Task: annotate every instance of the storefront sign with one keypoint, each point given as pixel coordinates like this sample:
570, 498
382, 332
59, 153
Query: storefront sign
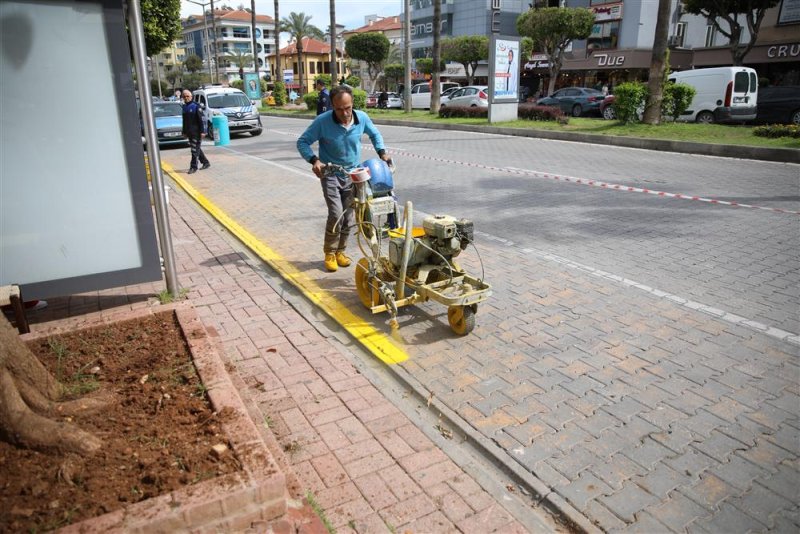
424, 27
604, 60
784, 50
607, 12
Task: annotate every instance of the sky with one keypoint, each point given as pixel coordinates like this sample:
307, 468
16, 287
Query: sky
349, 13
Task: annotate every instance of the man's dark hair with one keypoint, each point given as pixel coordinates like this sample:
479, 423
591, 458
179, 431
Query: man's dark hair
339, 89
320, 81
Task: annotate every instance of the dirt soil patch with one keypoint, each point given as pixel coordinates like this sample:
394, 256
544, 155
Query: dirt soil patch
157, 434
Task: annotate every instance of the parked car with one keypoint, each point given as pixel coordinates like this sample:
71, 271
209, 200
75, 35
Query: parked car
242, 115
723, 94
421, 94
372, 100
445, 96
575, 101
779, 104
169, 123
607, 108
469, 96
395, 101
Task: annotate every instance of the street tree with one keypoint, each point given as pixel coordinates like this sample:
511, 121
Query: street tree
299, 27
658, 65
278, 74
193, 63
173, 75
394, 72
727, 15
32, 406
468, 50
436, 89
552, 29
372, 48
161, 24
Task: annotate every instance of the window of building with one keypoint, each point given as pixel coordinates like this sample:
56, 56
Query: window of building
241, 32
711, 35
312, 68
604, 35
223, 32
680, 33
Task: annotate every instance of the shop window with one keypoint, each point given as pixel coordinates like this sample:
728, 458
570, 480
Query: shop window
711, 35
604, 35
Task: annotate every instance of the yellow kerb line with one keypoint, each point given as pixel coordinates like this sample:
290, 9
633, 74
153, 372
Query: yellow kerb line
374, 340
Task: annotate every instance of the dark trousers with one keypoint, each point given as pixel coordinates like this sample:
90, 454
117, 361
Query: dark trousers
197, 152
338, 227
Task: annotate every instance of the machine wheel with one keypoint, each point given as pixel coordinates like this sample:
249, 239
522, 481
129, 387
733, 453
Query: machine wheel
367, 292
461, 319
577, 110
705, 117
609, 114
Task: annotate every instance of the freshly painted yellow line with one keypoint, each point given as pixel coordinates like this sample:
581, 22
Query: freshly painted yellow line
374, 340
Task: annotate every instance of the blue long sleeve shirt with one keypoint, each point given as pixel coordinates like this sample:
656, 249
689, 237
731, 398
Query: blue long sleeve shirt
338, 144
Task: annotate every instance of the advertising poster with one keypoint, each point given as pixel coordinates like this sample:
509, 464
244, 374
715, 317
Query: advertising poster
252, 87
506, 69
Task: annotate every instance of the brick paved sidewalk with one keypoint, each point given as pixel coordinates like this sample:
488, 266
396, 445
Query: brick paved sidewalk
365, 463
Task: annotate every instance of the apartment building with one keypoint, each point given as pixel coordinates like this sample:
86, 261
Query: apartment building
233, 34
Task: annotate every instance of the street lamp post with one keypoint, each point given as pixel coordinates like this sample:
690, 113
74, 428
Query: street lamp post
205, 30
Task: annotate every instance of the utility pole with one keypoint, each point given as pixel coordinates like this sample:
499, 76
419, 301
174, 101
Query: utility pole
407, 55
255, 43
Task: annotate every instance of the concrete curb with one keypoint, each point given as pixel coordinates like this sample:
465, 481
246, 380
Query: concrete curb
780, 155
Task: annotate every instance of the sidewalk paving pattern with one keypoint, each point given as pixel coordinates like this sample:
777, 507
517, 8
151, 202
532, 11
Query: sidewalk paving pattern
366, 464
637, 413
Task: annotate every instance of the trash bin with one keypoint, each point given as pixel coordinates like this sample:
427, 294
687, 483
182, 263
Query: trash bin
222, 135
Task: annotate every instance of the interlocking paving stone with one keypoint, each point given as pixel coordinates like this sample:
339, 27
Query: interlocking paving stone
628, 502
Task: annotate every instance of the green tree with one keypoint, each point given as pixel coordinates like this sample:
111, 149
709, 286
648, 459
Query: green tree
173, 75
298, 26
526, 48
193, 63
727, 16
468, 50
371, 48
241, 58
395, 54
394, 72
161, 24
552, 29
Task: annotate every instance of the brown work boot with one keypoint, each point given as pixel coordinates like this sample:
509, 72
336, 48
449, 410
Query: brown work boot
330, 261
342, 260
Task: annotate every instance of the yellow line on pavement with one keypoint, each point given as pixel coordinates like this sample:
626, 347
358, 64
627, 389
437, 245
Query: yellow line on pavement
374, 340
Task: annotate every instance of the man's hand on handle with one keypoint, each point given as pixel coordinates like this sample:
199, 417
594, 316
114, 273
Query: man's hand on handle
317, 167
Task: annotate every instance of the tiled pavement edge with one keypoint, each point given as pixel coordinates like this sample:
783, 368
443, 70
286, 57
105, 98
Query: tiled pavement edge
366, 464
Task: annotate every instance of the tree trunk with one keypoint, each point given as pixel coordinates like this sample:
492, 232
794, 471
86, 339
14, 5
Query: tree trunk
300, 64
437, 55
278, 74
25, 385
333, 43
655, 84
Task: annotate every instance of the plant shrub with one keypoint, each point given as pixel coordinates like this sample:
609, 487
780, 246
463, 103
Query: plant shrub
359, 98
325, 78
629, 98
279, 93
534, 112
463, 111
677, 99
311, 100
353, 81
237, 84
777, 130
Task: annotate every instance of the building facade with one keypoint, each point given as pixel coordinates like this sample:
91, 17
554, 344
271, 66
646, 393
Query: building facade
316, 60
392, 29
233, 36
168, 61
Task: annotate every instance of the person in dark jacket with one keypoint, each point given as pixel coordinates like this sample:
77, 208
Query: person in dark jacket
323, 99
194, 128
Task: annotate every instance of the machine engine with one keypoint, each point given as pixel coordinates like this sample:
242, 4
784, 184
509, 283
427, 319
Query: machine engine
444, 236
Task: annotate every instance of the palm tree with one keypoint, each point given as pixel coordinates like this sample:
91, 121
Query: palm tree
395, 55
278, 71
240, 58
298, 27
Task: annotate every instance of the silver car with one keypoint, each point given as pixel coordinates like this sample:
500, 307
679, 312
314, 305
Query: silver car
469, 96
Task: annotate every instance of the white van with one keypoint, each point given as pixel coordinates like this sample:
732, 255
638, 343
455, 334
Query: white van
421, 94
242, 115
724, 94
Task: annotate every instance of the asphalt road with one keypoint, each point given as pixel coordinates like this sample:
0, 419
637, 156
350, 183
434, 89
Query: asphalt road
639, 355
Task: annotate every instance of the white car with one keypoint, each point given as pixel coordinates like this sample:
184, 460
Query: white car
469, 96
242, 115
395, 101
421, 94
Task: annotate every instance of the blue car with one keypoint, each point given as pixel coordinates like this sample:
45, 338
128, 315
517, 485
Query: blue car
575, 101
169, 122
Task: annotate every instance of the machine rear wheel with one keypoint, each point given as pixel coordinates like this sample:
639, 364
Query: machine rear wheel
461, 319
365, 285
